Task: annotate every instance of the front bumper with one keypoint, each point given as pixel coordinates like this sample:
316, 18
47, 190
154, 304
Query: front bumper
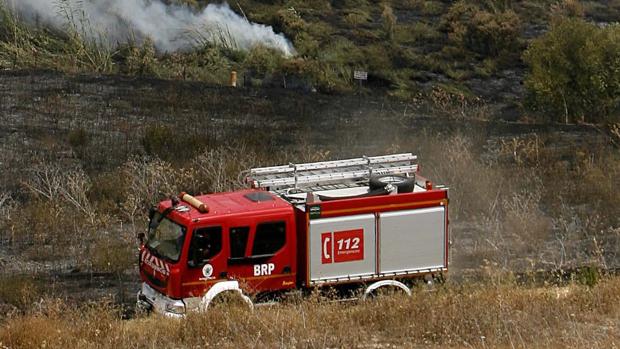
152, 300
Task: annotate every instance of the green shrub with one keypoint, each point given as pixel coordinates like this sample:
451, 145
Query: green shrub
78, 138
482, 32
263, 61
112, 255
319, 30
289, 21
575, 71
377, 57
357, 17
207, 63
108, 191
588, 275
139, 59
171, 145
157, 139
419, 33
306, 45
20, 291
487, 68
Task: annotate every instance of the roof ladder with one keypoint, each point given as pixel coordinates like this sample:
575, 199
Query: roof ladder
315, 174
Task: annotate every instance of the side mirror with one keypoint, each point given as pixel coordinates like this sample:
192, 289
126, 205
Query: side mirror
141, 238
152, 212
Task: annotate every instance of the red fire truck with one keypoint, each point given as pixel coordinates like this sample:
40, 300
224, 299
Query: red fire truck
370, 221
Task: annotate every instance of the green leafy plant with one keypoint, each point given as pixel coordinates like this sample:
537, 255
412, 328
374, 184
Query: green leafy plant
575, 72
483, 32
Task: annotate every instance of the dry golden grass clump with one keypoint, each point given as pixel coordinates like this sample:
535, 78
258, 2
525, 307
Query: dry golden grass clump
473, 315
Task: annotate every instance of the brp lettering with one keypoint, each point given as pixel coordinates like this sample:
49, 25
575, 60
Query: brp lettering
263, 269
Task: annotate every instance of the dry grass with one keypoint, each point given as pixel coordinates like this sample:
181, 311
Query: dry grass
514, 199
525, 203
476, 315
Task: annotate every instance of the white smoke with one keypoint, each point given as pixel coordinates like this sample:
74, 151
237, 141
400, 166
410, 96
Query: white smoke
170, 27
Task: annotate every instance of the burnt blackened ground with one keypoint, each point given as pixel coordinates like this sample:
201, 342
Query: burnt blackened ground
98, 123
39, 111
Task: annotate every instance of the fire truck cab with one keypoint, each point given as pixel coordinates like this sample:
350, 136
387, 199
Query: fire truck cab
371, 220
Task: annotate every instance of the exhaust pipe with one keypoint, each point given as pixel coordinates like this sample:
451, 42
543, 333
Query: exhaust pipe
197, 204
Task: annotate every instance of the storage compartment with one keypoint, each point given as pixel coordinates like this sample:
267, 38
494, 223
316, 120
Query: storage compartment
342, 247
412, 240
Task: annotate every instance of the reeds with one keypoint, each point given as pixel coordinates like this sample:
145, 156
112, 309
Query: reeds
78, 48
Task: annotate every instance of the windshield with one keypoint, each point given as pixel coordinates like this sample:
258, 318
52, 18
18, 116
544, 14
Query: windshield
165, 237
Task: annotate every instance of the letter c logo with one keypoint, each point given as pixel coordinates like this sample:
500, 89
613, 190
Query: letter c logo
326, 242
325, 248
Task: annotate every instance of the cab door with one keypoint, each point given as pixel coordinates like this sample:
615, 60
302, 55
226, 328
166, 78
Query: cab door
262, 253
206, 259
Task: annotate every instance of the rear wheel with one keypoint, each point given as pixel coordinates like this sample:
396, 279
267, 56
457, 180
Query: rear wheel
385, 287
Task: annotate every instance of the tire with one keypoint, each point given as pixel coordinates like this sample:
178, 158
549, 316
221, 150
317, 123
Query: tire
402, 183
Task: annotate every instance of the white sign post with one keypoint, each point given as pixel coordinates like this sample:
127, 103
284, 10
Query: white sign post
360, 76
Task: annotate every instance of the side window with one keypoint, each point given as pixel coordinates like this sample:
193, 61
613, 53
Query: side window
206, 244
269, 238
238, 241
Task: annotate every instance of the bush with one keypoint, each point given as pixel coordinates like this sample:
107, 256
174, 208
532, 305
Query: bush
170, 144
112, 255
139, 59
483, 32
79, 139
289, 21
357, 17
263, 61
306, 45
19, 290
575, 71
420, 33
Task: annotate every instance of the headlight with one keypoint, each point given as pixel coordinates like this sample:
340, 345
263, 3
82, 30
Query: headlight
175, 307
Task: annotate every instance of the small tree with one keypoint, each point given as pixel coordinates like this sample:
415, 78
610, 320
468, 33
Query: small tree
575, 71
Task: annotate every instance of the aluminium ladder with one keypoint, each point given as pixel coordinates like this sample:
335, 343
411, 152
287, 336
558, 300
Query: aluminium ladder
319, 174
